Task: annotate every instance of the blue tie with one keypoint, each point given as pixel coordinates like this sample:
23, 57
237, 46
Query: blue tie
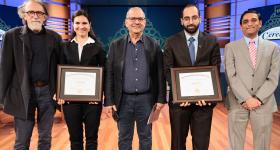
192, 49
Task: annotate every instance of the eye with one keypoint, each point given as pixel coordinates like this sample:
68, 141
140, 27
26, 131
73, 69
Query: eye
244, 21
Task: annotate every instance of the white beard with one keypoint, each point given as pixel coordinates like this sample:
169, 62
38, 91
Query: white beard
35, 26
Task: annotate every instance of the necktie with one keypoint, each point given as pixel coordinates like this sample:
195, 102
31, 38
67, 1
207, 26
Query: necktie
192, 49
253, 53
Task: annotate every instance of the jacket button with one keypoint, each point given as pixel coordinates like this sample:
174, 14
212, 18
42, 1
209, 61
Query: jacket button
252, 89
253, 75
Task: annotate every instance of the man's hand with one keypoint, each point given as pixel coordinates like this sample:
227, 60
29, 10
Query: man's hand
108, 110
252, 103
59, 101
94, 103
185, 104
159, 106
202, 103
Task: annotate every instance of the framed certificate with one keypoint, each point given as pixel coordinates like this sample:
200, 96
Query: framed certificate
76, 83
190, 84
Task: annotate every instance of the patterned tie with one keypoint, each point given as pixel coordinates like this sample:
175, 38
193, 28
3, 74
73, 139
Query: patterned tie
192, 49
253, 52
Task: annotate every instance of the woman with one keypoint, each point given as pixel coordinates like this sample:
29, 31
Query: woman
83, 50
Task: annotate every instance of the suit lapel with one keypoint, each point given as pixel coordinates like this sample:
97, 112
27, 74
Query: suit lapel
199, 47
50, 44
74, 52
147, 48
245, 50
260, 52
122, 51
183, 48
26, 47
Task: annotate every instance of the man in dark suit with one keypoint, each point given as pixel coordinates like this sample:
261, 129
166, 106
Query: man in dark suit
134, 81
190, 47
29, 57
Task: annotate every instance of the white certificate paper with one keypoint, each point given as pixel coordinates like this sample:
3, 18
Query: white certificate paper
80, 83
196, 84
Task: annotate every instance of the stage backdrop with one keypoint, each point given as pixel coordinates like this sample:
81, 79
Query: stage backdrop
108, 22
8, 19
271, 22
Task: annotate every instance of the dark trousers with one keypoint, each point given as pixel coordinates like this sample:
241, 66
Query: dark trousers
78, 115
135, 108
42, 100
197, 118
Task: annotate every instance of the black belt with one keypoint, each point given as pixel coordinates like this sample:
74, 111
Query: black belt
39, 84
136, 93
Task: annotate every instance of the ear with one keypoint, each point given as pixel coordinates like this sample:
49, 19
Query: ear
124, 24
182, 22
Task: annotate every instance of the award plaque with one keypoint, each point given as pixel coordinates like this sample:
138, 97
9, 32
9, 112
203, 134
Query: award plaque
191, 84
77, 83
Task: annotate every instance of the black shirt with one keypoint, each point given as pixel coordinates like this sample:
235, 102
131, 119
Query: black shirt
39, 64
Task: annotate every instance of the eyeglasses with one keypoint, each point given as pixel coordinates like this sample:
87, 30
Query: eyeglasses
133, 19
38, 13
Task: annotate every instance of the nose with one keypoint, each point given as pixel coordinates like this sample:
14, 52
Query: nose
191, 21
36, 16
137, 21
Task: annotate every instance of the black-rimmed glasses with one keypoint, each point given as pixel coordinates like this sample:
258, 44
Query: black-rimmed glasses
134, 19
38, 13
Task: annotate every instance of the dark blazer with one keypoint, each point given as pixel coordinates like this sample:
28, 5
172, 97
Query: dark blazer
115, 65
92, 55
16, 57
176, 53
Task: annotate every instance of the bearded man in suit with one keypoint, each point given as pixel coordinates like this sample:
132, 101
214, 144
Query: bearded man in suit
190, 47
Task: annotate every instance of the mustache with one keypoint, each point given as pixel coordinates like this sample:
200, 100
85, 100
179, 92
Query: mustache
191, 25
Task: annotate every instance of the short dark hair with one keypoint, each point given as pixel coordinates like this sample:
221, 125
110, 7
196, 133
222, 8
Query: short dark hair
85, 14
187, 6
250, 11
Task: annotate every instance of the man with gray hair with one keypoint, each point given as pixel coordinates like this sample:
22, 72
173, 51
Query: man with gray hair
134, 81
29, 56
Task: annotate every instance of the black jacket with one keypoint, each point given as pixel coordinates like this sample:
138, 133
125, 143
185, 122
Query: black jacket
115, 66
16, 57
92, 55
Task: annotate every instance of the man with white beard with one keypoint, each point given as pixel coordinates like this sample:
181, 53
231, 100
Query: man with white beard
28, 59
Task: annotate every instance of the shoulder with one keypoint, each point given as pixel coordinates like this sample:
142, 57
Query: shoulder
175, 37
119, 40
150, 40
268, 43
15, 30
53, 34
234, 43
208, 36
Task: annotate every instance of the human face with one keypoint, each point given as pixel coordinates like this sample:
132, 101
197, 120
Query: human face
190, 20
34, 15
250, 25
135, 21
81, 26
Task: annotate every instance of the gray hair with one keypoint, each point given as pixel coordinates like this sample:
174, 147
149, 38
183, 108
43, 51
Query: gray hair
21, 8
130, 9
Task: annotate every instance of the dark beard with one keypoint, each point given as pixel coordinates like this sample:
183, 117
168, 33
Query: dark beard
191, 30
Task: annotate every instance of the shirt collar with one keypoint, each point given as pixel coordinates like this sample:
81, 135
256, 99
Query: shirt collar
247, 40
88, 41
195, 35
140, 40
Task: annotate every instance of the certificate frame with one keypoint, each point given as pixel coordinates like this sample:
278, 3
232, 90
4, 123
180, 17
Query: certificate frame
61, 74
176, 88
